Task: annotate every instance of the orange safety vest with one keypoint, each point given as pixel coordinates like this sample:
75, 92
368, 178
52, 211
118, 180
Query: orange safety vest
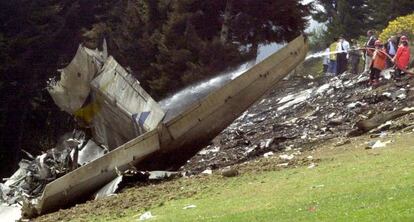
379, 59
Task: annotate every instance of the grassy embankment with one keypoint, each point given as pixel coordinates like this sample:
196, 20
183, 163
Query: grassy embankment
349, 184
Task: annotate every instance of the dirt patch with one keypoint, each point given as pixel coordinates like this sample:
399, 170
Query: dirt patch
137, 198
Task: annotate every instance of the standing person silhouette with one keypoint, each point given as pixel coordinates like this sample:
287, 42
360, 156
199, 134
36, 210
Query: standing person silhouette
332, 69
342, 58
401, 58
369, 51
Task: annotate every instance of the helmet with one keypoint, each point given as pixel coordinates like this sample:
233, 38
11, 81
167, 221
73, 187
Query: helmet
378, 43
404, 38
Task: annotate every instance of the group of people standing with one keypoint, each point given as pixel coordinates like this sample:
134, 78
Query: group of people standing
395, 53
336, 59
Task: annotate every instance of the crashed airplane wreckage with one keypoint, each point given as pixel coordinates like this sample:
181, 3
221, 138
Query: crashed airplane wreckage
128, 123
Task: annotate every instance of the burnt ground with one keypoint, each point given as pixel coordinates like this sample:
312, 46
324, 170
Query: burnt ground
299, 115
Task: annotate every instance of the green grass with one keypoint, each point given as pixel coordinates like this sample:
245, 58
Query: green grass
349, 184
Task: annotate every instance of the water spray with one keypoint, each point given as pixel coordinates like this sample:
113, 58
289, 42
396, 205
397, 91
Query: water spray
189, 95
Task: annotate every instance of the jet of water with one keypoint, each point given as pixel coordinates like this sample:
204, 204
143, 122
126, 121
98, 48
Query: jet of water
323, 53
189, 95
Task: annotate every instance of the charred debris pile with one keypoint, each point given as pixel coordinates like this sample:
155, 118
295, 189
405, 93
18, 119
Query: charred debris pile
125, 130
303, 111
111, 108
120, 117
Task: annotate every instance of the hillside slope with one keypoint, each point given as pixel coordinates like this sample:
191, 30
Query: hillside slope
302, 125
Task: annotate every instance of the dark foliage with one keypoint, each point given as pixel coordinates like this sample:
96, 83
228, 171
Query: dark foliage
167, 44
353, 18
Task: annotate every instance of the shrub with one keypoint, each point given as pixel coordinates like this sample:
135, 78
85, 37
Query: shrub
403, 25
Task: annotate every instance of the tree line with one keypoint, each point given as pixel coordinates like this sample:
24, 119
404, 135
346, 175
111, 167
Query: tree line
353, 18
166, 44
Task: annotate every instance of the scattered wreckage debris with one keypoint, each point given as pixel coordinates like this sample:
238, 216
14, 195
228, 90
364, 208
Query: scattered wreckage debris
10, 213
290, 119
191, 206
313, 111
132, 176
342, 142
124, 120
377, 144
26, 185
146, 216
104, 98
380, 119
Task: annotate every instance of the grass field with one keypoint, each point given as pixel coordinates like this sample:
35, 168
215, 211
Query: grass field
349, 183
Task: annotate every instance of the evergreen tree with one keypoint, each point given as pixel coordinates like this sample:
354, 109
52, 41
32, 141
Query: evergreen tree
352, 18
343, 17
268, 21
167, 44
381, 12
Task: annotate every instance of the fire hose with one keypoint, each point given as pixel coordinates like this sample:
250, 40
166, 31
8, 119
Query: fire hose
386, 54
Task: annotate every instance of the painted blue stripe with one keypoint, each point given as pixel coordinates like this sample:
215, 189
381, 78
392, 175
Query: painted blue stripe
143, 117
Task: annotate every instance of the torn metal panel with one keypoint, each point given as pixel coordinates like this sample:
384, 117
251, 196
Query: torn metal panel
85, 180
18, 175
160, 175
90, 152
73, 88
28, 182
125, 109
10, 213
146, 216
109, 189
131, 175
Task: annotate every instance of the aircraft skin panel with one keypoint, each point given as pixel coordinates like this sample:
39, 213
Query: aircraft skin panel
248, 84
180, 138
92, 176
197, 126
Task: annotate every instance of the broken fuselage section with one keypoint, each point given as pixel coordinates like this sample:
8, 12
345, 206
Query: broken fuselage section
124, 118
103, 96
